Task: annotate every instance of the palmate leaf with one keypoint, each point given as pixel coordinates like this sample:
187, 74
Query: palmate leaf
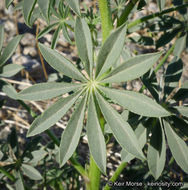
177, 146
45, 8
9, 50
66, 34
133, 68
52, 114
179, 46
84, 44
161, 4
1, 37
180, 125
95, 136
71, 135
182, 110
10, 70
31, 172
8, 3
44, 91
122, 131
47, 29
156, 155
135, 102
111, 50
55, 37
28, 7
140, 133
60, 63
19, 182
74, 5
8, 89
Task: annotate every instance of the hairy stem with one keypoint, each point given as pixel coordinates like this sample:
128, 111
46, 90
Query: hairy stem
154, 15
115, 175
128, 8
106, 19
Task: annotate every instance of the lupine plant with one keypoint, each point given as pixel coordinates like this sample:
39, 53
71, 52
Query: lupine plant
147, 124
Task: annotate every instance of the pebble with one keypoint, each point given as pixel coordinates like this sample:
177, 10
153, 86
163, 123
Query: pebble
4, 133
28, 40
30, 51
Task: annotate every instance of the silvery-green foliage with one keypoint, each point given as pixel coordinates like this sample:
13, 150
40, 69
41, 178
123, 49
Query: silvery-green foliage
8, 70
91, 94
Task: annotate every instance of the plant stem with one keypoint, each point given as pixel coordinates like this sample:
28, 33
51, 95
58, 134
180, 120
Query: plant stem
10, 176
94, 176
128, 8
107, 26
56, 141
116, 175
106, 19
154, 15
165, 58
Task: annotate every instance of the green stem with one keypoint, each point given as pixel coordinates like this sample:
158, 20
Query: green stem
11, 177
107, 26
56, 141
128, 8
158, 14
165, 58
106, 19
94, 176
115, 175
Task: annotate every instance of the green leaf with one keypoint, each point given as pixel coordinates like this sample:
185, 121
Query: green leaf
28, 7
140, 133
66, 34
19, 183
44, 91
52, 115
45, 8
1, 37
31, 172
9, 90
156, 155
74, 5
161, 4
55, 37
180, 125
111, 50
46, 30
122, 131
167, 37
71, 135
135, 102
9, 50
133, 68
177, 146
182, 110
37, 156
179, 46
95, 136
84, 44
8, 3
60, 63
10, 70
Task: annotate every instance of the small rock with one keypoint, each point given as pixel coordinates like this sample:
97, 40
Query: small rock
19, 59
48, 37
30, 51
4, 133
9, 27
28, 40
